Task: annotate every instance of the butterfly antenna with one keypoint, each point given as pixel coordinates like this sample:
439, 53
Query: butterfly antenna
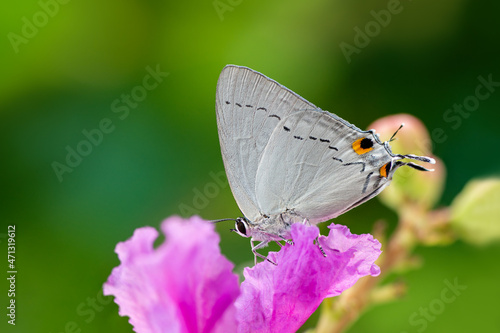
394, 135
412, 165
221, 220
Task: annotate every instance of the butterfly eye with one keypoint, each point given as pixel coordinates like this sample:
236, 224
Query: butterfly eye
241, 227
385, 169
362, 146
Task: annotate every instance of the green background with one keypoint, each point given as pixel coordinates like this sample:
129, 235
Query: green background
63, 79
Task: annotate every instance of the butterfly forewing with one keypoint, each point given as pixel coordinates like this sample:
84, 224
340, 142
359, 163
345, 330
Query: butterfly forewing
249, 107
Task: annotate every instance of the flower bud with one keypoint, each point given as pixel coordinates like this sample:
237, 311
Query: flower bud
475, 212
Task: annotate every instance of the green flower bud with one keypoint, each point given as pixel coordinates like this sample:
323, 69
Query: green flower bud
475, 212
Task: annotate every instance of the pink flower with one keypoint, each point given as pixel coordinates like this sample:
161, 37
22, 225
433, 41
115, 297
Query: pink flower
186, 285
281, 298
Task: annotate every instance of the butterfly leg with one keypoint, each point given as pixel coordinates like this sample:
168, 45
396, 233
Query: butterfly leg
320, 247
306, 222
257, 254
288, 241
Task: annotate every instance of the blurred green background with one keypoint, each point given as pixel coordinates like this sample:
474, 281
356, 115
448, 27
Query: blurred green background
67, 67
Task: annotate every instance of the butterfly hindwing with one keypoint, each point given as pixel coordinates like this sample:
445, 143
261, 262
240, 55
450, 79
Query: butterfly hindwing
310, 166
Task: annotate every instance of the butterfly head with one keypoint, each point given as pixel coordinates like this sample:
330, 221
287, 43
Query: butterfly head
241, 227
267, 228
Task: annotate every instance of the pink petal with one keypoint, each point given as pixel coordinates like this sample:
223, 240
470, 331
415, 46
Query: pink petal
281, 298
185, 285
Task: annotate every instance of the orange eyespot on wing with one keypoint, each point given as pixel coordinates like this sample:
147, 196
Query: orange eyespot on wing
362, 146
384, 170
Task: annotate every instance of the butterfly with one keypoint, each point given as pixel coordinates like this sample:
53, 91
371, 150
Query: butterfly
287, 161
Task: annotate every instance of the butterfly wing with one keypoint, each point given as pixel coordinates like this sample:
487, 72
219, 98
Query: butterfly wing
311, 167
249, 107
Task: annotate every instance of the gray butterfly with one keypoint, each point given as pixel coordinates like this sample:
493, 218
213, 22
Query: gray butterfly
288, 161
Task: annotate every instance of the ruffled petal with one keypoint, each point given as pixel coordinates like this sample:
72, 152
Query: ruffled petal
185, 285
281, 298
